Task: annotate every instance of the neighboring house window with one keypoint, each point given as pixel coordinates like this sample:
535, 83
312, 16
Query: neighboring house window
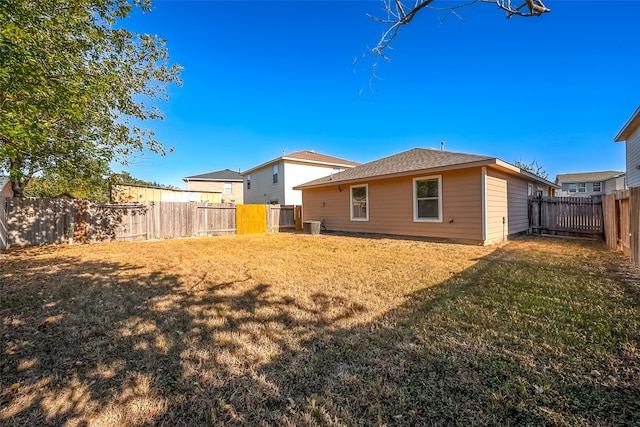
573, 188
248, 182
427, 199
275, 174
227, 188
597, 187
359, 202
582, 187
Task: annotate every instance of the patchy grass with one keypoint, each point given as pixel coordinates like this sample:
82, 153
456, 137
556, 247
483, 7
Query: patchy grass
319, 330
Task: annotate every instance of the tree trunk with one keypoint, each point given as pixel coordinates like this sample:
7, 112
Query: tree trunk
17, 188
17, 184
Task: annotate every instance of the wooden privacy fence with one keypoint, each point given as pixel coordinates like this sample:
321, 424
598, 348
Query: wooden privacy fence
281, 218
25, 222
259, 219
622, 222
566, 216
251, 219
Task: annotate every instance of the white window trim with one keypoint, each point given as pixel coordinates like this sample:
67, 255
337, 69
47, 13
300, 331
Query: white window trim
415, 199
593, 186
572, 187
530, 190
366, 186
582, 187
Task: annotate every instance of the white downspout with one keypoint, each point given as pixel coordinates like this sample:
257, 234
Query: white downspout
484, 204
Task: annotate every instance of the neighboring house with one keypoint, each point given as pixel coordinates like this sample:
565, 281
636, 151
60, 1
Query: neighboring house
126, 193
426, 193
273, 181
5, 187
630, 133
587, 184
226, 182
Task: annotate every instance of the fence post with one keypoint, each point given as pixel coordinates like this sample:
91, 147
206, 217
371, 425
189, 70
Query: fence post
3, 222
193, 215
634, 224
298, 217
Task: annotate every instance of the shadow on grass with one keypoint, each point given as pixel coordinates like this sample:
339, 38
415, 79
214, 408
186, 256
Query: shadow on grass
509, 342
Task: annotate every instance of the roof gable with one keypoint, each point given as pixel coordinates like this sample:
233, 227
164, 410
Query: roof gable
310, 157
317, 157
629, 128
221, 175
415, 159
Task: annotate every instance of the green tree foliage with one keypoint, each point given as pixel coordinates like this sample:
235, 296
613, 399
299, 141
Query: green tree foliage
83, 185
125, 177
75, 88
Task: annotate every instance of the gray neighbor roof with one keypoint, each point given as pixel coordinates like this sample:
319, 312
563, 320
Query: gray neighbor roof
416, 159
587, 176
222, 175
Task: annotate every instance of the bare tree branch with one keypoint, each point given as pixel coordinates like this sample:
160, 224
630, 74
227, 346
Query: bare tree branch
399, 14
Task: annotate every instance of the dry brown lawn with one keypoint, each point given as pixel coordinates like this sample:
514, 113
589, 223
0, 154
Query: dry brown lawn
327, 330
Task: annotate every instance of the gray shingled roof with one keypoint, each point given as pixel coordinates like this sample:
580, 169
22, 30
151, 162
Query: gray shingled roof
412, 160
222, 175
586, 176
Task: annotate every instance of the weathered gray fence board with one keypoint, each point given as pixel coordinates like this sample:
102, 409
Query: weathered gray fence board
580, 216
216, 219
281, 218
36, 221
634, 225
622, 218
115, 222
25, 221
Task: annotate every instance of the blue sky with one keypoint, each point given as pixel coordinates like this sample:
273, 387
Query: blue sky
263, 77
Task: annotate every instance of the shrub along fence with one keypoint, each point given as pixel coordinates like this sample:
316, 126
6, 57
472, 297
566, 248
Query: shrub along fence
27, 221
622, 222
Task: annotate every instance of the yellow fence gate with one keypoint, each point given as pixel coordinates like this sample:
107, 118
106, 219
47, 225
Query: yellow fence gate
251, 219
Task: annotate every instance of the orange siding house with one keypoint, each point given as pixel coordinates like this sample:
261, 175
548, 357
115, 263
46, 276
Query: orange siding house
426, 193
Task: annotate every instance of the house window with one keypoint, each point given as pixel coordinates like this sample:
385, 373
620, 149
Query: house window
227, 188
249, 182
275, 174
582, 187
597, 187
573, 188
359, 202
529, 189
427, 199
